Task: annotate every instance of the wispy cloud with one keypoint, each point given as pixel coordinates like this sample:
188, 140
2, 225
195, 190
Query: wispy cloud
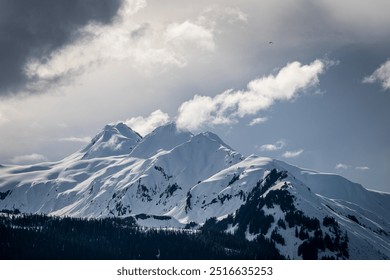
362, 168
273, 147
380, 75
342, 166
145, 125
292, 154
258, 121
260, 94
28, 159
76, 139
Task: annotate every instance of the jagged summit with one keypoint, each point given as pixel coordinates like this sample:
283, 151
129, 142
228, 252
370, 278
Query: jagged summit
114, 139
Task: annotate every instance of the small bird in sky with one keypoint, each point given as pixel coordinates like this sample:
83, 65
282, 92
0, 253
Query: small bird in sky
270, 42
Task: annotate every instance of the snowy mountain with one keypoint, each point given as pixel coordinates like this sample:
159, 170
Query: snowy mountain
113, 140
173, 178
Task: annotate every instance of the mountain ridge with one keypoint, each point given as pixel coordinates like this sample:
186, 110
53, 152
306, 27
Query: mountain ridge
199, 181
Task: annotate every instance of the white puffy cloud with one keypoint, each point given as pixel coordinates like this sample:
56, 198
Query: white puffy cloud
261, 93
292, 154
380, 75
273, 147
28, 159
145, 125
189, 32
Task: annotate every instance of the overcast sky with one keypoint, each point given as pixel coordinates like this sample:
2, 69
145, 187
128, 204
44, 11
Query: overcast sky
307, 82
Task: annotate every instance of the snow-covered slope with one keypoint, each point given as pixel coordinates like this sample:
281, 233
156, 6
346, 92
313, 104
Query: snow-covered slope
176, 179
163, 138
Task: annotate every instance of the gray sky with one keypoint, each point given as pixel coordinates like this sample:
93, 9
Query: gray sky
316, 97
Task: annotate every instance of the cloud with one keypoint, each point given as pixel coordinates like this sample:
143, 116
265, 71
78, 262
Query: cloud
362, 168
260, 94
215, 13
76, 139
3, 119
380, 75
188, 32
258, 121
273, 147
37, 28
292, 154
342, 166
96, 42
28, 159
367, 17
140, 31
144, 46
146, 125
62, 125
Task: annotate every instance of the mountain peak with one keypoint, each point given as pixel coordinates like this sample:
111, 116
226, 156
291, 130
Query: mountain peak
112, 140
172, 178
168, 128
216, 138
164, 137
121, 129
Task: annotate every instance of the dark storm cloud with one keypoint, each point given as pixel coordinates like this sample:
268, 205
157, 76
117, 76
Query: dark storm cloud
35, 28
